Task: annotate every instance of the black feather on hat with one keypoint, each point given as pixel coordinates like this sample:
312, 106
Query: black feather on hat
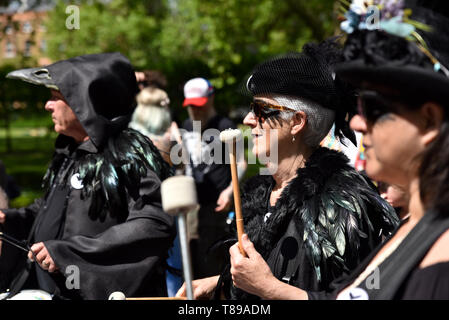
310, 75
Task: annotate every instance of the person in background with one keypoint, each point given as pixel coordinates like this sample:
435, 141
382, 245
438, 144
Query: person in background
314, 217
152, 118
213, 180
151, 78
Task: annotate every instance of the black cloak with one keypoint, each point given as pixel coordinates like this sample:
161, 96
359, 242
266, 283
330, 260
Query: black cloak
110, 225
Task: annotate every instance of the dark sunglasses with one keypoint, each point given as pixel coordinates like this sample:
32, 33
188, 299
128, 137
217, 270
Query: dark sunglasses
371, 105
263, 110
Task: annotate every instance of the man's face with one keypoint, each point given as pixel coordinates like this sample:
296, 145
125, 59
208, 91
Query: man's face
64, 118
199, 113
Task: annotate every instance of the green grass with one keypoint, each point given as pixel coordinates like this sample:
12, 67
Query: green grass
32, 149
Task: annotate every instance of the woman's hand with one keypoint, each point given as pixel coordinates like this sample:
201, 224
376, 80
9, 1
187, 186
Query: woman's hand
251, 274
202, 288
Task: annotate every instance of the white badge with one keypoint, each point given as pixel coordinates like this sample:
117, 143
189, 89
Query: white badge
353, 294
76, 182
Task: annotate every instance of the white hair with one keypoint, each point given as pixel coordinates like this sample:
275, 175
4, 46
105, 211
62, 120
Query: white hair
319, 119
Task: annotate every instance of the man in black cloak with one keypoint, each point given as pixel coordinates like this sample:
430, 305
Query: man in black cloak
101, 217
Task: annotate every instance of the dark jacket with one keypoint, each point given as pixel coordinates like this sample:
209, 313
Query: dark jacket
101, 214
327, 219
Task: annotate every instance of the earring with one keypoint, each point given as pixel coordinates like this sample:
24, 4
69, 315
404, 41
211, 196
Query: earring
293, 139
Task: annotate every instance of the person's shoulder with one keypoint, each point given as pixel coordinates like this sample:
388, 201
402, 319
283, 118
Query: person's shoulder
439, 252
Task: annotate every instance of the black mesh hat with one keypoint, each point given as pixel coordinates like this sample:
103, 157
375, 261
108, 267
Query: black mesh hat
415, 66
310, 75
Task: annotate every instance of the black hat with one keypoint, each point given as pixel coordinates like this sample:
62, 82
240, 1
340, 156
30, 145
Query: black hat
310, 75
407, 53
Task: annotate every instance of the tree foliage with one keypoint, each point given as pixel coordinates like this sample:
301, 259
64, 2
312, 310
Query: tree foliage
218, 39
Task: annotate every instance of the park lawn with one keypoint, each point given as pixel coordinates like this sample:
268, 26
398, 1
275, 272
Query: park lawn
32, 149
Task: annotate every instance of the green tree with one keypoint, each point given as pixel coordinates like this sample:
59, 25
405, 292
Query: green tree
218, 39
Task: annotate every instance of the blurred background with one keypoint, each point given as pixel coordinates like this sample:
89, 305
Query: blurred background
217, 39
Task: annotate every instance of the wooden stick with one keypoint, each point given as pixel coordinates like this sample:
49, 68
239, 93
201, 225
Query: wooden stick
236, 191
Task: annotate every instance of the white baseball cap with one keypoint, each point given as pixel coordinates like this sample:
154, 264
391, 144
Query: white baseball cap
197, 91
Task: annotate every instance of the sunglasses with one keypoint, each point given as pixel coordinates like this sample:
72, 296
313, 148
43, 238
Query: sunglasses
263, 110
371, 105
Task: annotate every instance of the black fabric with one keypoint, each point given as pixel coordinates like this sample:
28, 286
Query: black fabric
213, 178
430, 283
326, 172
125, 253
100, 89
13, 260
400, 276
406, 258
113, 252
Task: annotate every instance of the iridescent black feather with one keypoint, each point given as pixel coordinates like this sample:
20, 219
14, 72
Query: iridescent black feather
113, 173
336, 208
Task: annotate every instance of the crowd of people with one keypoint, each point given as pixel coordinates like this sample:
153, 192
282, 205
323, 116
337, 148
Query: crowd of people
316, 227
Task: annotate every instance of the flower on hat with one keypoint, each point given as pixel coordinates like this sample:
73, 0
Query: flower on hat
390, 16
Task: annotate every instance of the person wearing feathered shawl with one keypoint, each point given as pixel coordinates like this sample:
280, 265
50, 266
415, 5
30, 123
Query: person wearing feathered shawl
315, 217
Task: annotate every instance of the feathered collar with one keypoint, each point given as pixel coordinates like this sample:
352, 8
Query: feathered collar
110, 173
308, 182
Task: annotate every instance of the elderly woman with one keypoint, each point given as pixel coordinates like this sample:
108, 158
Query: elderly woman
315, 217
403, 114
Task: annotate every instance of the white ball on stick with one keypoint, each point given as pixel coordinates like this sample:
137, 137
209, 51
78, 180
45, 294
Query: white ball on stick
178, 194
117, 295
230, 135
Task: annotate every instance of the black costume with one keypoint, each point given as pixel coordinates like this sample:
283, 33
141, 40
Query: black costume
408, 70
327, 219
102, 208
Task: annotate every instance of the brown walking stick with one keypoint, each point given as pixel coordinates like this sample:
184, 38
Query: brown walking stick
230, 137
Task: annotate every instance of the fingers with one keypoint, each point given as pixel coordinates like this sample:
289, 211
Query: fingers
35, 248
43, 257
52, 266
234, 251
248, 247
220, 207
182, 291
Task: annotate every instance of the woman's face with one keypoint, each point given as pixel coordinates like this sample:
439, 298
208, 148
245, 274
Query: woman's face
392, 143
270, 138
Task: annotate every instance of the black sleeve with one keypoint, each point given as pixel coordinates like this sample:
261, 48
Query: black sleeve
18, 222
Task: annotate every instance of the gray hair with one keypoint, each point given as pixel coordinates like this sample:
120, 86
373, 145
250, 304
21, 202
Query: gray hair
319, 119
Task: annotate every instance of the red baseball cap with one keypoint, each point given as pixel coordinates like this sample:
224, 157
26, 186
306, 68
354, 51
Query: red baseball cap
197, 91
